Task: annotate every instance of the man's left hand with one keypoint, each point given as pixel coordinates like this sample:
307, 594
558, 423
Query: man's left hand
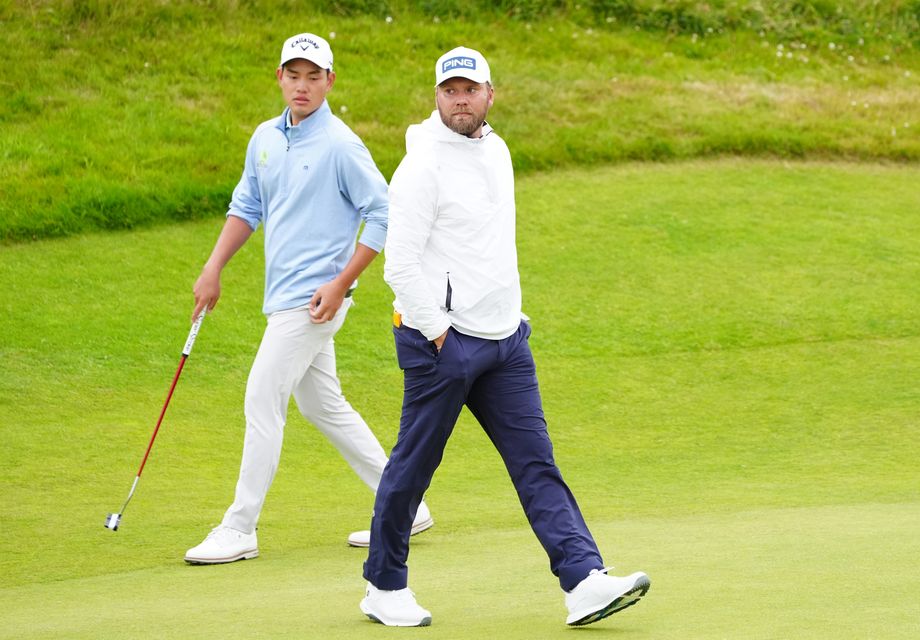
326, 302
439, 341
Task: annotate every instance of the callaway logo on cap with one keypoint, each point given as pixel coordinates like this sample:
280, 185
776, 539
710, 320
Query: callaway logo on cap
462, 63
307, 46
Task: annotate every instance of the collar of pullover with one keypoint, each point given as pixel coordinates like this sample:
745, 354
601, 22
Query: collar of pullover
305, 126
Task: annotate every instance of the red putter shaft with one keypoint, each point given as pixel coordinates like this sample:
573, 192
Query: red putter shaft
172, 388
186, 350
114, 518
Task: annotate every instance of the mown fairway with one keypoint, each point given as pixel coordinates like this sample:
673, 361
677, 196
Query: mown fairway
727, 353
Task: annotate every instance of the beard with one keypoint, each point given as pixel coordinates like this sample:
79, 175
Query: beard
466, 123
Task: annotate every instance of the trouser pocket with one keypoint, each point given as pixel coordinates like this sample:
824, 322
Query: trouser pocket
413, 349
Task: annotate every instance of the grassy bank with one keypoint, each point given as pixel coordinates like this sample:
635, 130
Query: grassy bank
140, 112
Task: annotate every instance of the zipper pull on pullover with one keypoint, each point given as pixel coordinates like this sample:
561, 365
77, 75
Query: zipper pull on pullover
450, 291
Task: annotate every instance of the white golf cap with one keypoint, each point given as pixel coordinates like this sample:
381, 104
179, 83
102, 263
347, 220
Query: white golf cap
462, 63
308, 47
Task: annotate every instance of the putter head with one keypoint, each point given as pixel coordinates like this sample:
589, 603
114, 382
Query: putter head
112, 520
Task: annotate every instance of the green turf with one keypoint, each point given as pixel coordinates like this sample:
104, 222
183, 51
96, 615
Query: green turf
726, 355
820, 572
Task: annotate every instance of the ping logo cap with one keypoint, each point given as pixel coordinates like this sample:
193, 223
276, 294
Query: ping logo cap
462, 63
308, 47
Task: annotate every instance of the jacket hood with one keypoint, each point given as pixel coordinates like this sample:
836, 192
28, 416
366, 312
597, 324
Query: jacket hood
432, 130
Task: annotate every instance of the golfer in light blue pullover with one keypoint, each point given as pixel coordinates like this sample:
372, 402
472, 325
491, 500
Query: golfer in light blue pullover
309, 181
310, 185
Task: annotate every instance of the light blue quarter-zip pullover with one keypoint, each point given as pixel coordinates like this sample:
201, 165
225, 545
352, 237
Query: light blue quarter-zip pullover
310, 186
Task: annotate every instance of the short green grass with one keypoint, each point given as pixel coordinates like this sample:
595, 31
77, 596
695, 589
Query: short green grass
725, 351
759, 574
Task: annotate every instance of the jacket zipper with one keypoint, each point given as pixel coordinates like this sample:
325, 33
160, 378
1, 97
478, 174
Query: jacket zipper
449, 294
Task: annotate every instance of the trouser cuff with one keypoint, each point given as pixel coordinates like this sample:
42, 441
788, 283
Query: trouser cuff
571, 575
387, 580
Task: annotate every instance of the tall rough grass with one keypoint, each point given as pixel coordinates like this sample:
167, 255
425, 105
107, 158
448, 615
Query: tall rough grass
136, 112
897, 19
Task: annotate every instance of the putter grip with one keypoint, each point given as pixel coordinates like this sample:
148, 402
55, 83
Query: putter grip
187, 349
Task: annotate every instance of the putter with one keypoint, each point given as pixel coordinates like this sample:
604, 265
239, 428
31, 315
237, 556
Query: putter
114, 519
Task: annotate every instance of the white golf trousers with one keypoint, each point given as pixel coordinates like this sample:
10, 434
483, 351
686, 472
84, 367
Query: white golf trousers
297, 357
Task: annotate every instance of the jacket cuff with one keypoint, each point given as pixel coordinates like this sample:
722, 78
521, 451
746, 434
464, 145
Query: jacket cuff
436, 331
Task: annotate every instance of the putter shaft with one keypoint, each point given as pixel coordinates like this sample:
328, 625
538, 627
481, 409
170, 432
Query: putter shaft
186, 350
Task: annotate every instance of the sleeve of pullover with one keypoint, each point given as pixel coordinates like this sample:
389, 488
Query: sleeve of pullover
365, 187
413, 210
246, 202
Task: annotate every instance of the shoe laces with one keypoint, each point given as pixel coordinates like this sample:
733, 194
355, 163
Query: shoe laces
406, 594
221, 531
591, 573
401, 596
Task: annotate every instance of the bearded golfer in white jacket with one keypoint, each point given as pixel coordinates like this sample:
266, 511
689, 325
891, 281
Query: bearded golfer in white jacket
461, 339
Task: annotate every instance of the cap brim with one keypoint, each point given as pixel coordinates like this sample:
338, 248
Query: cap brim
463, 73
318, 63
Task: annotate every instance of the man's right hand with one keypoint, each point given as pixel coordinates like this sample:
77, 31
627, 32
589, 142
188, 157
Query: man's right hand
439, 341
206, 290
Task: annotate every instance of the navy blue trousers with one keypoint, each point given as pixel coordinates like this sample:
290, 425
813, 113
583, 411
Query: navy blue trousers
497, 381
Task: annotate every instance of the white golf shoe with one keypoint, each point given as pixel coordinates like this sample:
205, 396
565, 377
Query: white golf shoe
394, 608
222, 545
423, 521
600, 595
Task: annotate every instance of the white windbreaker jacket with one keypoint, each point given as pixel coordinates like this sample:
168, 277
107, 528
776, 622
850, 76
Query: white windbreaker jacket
450, 251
